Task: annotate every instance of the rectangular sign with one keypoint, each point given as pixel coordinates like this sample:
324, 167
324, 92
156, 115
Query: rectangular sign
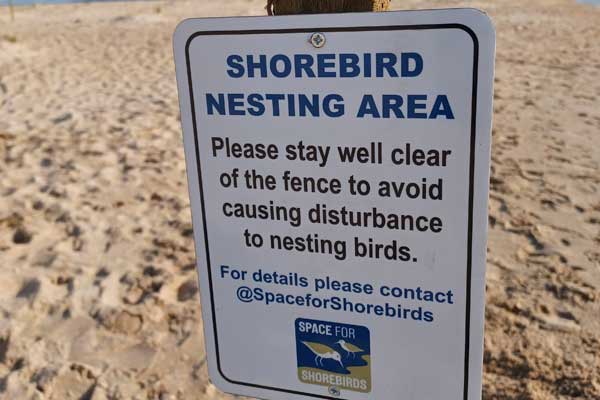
338, 173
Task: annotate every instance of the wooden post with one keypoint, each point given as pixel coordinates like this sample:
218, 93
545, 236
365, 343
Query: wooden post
286, 7
11, 10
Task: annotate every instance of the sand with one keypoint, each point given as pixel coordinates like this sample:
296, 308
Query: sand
98, 295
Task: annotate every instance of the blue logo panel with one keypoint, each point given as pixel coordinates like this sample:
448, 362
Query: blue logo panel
334, 355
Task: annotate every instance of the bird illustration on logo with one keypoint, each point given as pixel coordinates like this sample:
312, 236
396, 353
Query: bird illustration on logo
322, 352
349, 348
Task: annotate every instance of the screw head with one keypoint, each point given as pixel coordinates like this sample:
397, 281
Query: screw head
334, 391
317, 39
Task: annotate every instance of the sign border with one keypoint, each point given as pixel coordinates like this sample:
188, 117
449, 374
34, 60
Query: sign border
474, 90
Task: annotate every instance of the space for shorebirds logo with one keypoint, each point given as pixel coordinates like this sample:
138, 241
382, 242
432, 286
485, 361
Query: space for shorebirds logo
334, 355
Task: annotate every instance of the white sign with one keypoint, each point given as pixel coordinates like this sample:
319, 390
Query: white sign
338, 172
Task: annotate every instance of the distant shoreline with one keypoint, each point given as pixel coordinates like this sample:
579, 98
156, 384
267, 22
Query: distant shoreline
16, 3
5, 3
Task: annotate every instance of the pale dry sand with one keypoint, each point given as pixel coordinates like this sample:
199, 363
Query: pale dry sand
98, 296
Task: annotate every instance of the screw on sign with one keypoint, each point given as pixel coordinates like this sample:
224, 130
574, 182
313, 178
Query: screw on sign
317, 39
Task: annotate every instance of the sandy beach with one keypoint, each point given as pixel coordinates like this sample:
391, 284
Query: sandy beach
98, 291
